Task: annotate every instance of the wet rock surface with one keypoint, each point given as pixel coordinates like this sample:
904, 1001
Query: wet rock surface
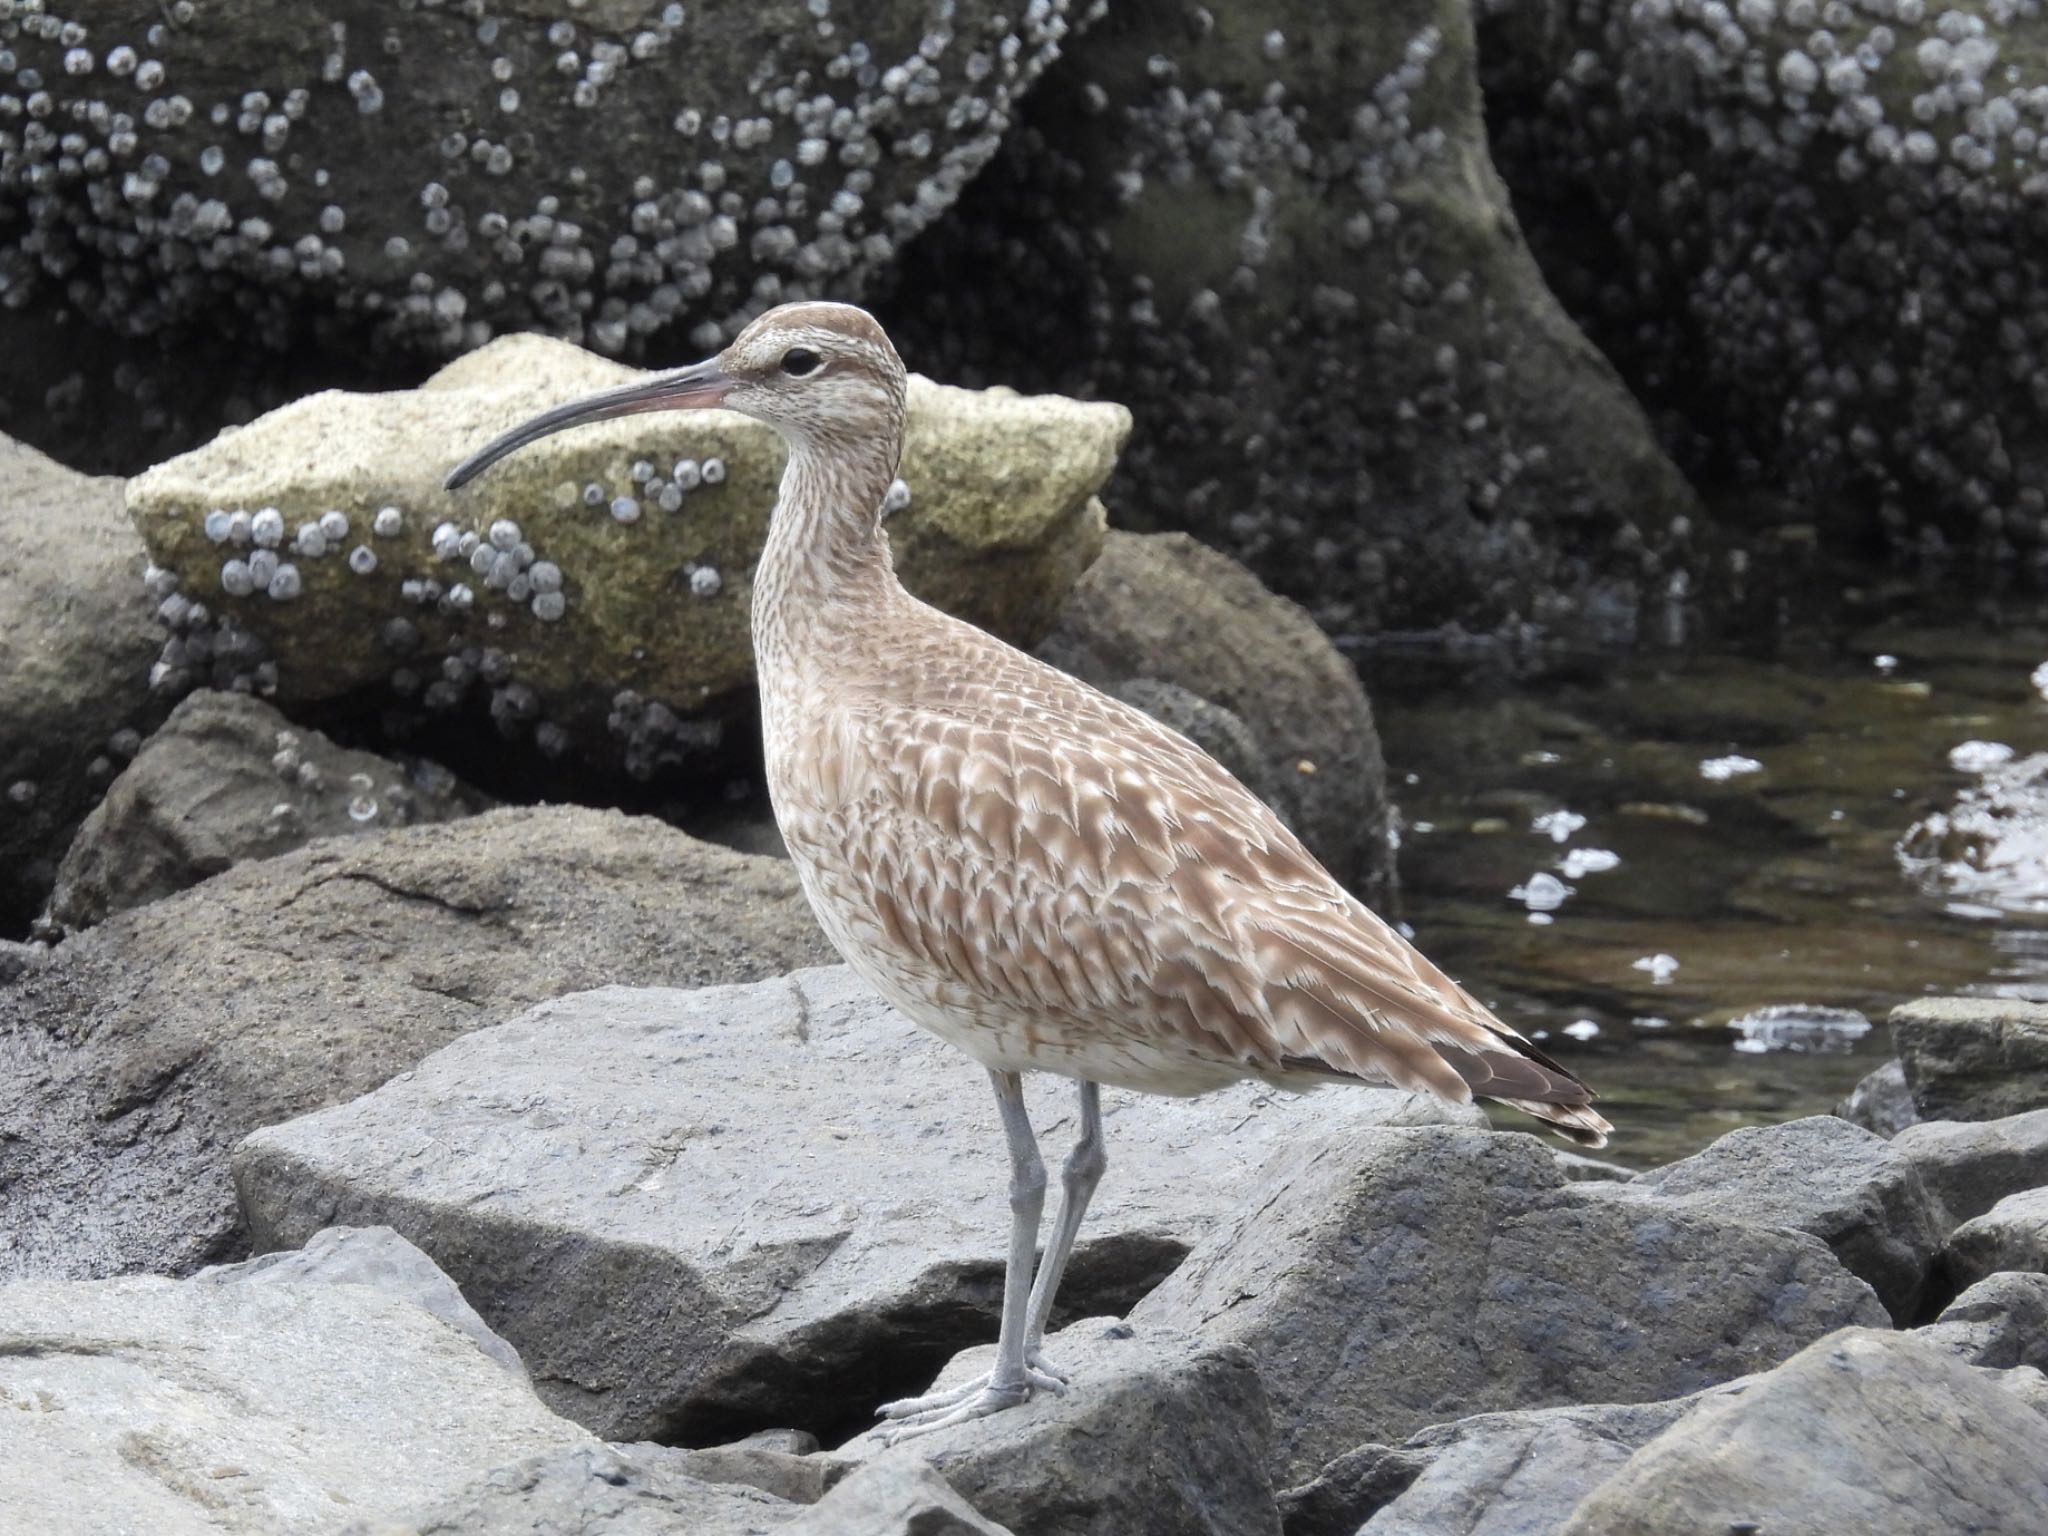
1162, 1433
227, 779
78, 630
138, 1053
1160, 619
1388, 1281
1862, 1431
591, 595
1275, 233
367, 187
226, 1405
1973, 1058
1854, 1191
700, 1213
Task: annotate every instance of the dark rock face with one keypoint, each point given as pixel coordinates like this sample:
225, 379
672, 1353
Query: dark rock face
227, 779
1845, 1186
134, 1059
1972, 1058
1809, 236
857, 1154
1191, 637
1162, 1434
1389, 1281
78, 632
1863, 1431
1275, 234
1881, 1102
354, 185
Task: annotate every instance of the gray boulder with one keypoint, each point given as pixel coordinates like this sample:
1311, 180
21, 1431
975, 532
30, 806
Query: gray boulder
699, 1213
590, 1489
2000, 1322
2013, 1234
1870, 1432
783, 1462
1973, 1058
1159, 1434
187, 1407
1881, 1101
1495, 1474
373, 1256
1969, 1166
1389, 1281
134, 1059
1851, 1189
395, 186
895, 1498
1279, 238
78, 631
225, 779
590, 596
1188, 634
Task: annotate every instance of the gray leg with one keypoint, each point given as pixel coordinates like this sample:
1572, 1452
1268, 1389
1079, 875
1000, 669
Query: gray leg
1082, 1173
1011, 1381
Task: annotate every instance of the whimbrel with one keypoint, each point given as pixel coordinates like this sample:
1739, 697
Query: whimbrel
1045, 877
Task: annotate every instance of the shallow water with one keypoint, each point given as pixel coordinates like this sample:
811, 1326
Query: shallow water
1743, 818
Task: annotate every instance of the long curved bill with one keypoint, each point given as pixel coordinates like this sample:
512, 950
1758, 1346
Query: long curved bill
685, 389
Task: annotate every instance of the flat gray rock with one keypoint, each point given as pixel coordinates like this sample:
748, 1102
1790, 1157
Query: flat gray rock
1973, 1058
894, 1498
1846, 1186
1390, 1280
1869, 1432
1159, 1434
1971, 1165
695, 1213
591, 1490
181, 1407
227, 779
2013, 1234
138, 1054
1514, 1474
372, 1256
2001, 1322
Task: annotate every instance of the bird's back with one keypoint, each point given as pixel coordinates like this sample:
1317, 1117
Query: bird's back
1056, 881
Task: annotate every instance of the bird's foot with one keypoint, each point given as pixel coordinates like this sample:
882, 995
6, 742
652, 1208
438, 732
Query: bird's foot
977, 1399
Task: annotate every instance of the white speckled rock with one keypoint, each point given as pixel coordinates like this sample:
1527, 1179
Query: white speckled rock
1002, 522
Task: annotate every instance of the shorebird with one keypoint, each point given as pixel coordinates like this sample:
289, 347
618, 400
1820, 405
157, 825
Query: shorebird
1046, 878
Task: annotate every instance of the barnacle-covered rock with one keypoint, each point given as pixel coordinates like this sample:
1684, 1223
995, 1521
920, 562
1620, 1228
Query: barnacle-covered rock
594, 588
1811, 236
226, 779
1274, 232
77, 631
384, 182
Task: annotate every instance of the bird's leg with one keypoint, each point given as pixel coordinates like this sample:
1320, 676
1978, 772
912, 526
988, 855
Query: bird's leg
1083, 1171
1011, 1381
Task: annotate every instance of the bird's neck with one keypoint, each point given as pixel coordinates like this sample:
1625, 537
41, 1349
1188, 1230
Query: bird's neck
826, 563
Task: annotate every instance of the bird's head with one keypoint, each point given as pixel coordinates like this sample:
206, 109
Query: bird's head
816, 372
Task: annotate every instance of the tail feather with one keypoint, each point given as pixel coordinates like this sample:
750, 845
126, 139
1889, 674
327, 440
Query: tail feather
1517, 1074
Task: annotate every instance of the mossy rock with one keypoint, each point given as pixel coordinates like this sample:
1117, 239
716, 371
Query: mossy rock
1003, 520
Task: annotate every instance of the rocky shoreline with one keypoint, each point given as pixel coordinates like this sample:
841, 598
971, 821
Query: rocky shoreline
509, 1289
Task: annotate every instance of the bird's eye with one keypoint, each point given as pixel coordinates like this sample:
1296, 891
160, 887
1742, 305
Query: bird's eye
798, 361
